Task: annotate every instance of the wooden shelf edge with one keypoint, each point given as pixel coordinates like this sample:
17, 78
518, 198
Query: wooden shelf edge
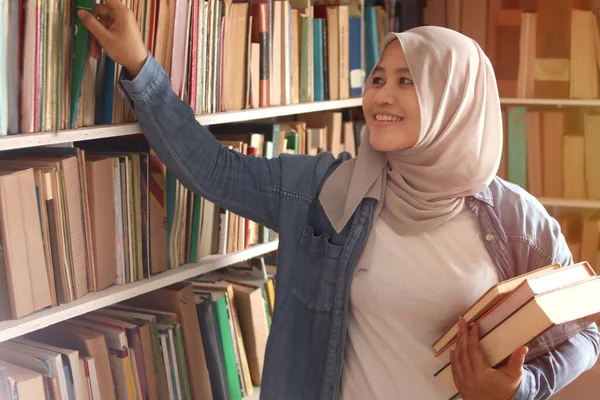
21, 141
569, 203
93, 301
551, 102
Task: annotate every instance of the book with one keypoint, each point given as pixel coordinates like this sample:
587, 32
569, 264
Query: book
488, 300
569, 305
524, 292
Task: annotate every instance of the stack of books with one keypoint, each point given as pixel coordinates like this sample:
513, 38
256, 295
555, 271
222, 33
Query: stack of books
513, 313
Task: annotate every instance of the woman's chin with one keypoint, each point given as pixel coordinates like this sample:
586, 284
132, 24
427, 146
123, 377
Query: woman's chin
389, 141
379, 143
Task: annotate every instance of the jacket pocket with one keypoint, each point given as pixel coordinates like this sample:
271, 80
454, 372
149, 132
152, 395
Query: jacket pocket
316, 273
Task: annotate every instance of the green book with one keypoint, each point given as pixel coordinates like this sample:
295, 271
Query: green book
517, 146
80, 52
195, 236
222, 316
292, 142
305, 68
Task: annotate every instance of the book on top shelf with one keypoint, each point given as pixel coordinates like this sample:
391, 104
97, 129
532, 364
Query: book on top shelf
220, 56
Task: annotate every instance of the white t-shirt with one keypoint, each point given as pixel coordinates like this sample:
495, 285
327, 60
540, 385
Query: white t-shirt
407, 291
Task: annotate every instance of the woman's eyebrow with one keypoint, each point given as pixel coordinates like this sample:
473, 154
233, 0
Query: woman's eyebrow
396, 70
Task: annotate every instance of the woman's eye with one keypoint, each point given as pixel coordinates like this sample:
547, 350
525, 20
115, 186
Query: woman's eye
405, 81
377, 81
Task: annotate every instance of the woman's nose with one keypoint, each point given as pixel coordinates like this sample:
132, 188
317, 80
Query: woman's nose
384, 95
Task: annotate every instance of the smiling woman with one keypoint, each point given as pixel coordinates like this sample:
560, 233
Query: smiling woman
378, 253
390, 103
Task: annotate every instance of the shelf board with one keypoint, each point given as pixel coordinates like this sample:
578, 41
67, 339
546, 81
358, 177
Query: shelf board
551, 102
20, 141
569, 203
117, 293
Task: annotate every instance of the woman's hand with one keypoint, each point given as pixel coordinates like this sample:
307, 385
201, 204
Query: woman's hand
473, 376
114, 28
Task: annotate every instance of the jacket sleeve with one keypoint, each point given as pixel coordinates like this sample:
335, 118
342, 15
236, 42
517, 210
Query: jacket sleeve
550, 372
246, 185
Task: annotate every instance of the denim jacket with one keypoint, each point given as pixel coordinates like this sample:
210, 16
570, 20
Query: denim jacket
315, 264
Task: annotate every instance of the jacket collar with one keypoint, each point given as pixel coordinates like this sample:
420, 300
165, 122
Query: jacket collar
486, 196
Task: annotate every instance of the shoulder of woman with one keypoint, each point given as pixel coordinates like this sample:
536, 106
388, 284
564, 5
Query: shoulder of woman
526, 221
305, 175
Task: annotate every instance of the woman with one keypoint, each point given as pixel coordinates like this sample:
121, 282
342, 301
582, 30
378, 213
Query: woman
377, 254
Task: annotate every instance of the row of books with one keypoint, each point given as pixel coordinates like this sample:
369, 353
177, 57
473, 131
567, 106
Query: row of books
552, 153
383, 16
582, 233
516, 312
220, 56
80, 219
539, 49
158, 346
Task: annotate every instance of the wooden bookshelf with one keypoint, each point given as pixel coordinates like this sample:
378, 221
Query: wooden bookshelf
550, 102
93, 301
570, 203
28, 140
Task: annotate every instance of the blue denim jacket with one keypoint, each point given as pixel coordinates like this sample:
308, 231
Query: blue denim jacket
315, 264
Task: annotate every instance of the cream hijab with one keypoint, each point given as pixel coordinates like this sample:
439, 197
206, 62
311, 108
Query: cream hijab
459, 146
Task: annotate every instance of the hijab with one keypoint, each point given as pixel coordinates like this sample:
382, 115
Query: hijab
459, 147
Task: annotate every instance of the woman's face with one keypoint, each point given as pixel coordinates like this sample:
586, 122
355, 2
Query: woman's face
390, 103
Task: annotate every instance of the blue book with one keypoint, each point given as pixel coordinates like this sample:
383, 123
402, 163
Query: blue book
357, 75
109, 85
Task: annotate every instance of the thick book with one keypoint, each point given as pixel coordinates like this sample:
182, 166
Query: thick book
488, 300
571, 306
523, 293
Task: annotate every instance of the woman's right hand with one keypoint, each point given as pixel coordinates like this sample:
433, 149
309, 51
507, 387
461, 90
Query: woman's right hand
114, 28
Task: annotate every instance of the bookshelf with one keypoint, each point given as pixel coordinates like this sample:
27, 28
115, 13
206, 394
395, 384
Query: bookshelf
220, 87
550, 102
570, 203
93, 301
12, 142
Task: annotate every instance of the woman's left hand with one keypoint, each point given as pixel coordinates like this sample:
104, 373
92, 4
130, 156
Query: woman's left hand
473, 376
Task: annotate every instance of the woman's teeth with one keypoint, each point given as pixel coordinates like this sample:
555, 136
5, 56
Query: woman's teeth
387, 118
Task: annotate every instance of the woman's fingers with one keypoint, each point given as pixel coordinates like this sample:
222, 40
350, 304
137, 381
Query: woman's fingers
102, 11
457, 373
476, 356
463, 354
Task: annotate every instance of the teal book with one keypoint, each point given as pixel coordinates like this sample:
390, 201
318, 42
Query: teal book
319, 79
517, 146
80, 52
195, 228
371, 39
